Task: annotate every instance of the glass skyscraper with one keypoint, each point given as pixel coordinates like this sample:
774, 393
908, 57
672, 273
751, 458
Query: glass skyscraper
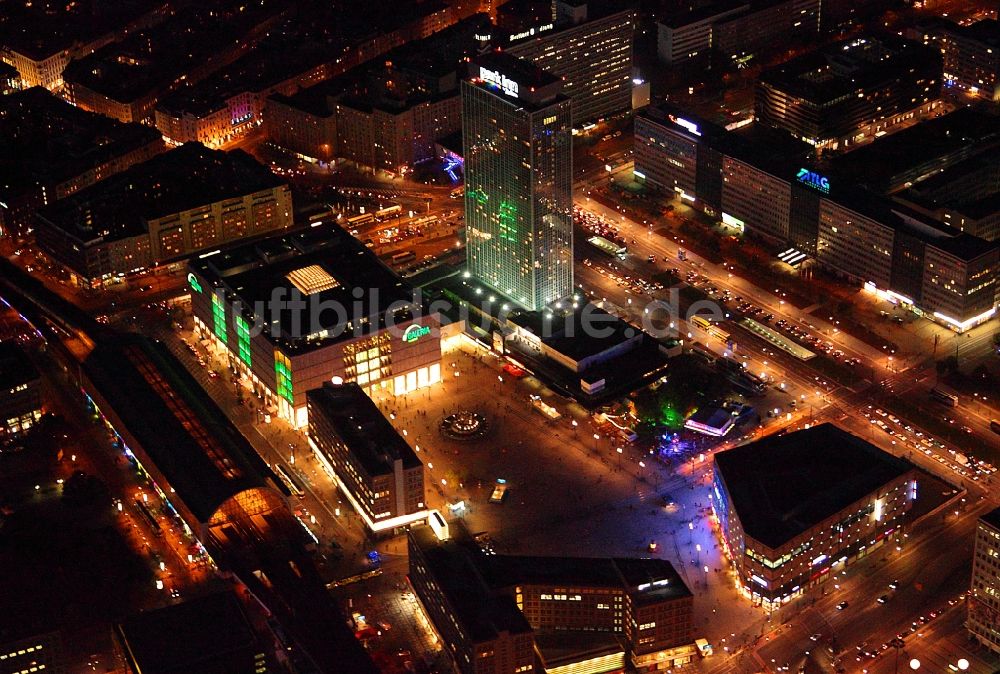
517, 137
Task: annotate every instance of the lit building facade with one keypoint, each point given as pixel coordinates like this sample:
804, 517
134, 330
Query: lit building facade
476, 600
181, 202
357, 446
849, 90
984, 601
324, 309
793, 510
517, 133
20, 391
942, 267
593, 56
971, 54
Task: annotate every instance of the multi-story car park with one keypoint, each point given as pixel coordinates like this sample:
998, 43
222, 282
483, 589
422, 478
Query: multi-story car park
838, 95
984, 601
494, 610
888, 246
300, 309
794, 509
376, 469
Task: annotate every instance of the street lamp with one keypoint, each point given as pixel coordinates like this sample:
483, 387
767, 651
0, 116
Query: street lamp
914, 664
963, 664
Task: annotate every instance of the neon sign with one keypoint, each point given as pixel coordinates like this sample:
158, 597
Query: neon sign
507, 85
415, 332
193, 281
814, 180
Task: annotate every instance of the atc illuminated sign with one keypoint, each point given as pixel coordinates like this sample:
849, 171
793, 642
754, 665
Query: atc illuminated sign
506, 85
415, 332
814, 180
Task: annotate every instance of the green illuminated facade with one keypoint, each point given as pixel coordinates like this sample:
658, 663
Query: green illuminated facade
283, 377
517, 140
219, 317
243, 338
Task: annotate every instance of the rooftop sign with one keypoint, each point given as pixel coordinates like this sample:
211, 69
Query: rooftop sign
504, 83
814, 180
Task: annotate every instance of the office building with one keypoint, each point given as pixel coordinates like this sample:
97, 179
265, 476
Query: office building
297, 310
210, 635
20, 391
984, 601
376, 469
52, 149
42, 652
971, 54
734, 31
518, 145
902, 249
849, 90
159, 212
494, 611
590, 48
10, 79
795, 509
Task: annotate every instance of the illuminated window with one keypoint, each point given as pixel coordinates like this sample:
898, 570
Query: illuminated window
243, 337
283, 376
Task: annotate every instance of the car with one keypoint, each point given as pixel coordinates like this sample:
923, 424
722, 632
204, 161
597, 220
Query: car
513, 370
894, 585
883, 599
816, 637
842, 605
651, 258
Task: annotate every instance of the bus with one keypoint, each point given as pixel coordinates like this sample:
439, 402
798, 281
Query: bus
712, 329
995, 426
362, 219
405, 256
949, 399
148, 516
290, 482
388, 212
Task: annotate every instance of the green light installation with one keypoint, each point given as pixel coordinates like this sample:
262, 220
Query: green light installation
508, 221
283, 376
219, 314
243, 337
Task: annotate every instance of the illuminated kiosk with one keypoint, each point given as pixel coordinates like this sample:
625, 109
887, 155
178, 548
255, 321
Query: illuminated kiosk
714, 421
794, 509
377, 471
518, 145
297, 310
199, 464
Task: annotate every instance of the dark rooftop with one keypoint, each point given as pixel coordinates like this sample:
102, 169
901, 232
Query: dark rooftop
194, 636
361, 425
252, 271
782, 485
205, 459
15, 368
184, 178
825, 77
454, 568
992, 518
878, 163
47, 141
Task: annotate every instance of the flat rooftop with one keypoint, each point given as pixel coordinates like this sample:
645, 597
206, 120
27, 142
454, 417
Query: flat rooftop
482, 615
877, 163
15, 368
825, 77
356, 280
203, 456
182, 179
362, 426
535, 87
47, 141
187, 637
781, 486
992, 518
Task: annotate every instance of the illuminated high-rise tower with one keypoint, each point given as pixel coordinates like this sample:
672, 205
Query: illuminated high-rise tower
518, 146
